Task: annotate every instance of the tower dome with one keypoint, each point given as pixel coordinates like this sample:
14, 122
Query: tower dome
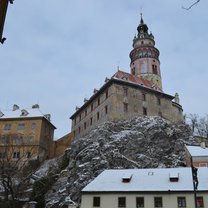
145, 57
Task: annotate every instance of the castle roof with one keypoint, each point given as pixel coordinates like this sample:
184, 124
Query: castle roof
136, 80
197, 151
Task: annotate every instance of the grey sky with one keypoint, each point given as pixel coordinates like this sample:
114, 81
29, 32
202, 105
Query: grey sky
57, 52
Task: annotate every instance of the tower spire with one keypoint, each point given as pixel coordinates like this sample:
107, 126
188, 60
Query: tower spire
141, 20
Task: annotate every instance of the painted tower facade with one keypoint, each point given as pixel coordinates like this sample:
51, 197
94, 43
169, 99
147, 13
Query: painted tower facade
145, 57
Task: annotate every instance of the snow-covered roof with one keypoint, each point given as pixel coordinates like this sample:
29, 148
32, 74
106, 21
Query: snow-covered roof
24, 113
197, 151
147, 180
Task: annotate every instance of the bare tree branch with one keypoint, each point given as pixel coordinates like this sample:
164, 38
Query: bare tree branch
188, 8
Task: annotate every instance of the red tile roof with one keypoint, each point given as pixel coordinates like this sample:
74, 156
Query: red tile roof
136, 80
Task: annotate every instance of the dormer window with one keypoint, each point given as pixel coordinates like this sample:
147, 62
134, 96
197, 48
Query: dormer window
24, 112
126, 178
174, 177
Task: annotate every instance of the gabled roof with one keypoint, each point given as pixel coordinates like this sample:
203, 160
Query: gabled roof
197, 151
148, 180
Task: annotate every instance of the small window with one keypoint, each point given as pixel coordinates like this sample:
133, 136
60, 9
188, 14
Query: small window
154, 69
30, 139
200, 201
98, 101
121, 201
91, 107
79, 129
98, 115
91, 121
7, 127
144, 97
106, 109
139, 202
106, 94
85, 125
21, 126
80, 117
33, 126
158, 101
133, 71
158, 202
28, 154
181, 202
86, 112
125, 91
96, 201
125, 107
144, 111
16, 155
19, 139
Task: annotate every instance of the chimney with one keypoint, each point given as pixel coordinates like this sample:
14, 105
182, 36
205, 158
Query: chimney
15, 107
1, 114
24, 112
95, 91
48, 117
85, 100
106, 79
203, 145
35, 106
77, 108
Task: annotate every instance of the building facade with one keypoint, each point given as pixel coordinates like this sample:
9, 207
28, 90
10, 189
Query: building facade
127, 95
25, 134
150, 188
196, 156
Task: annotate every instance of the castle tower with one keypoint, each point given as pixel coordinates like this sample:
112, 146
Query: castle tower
145, 57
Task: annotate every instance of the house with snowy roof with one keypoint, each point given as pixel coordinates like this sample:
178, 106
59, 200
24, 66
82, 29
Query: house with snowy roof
127, 95
25, 134
150, 188
196, 156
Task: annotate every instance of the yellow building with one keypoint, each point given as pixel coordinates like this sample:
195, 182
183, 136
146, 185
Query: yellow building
25, 133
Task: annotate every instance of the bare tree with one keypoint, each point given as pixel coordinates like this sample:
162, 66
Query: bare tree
14, 168
192, 120
202, 127
189, 7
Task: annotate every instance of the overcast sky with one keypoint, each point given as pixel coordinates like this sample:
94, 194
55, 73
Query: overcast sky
58, 51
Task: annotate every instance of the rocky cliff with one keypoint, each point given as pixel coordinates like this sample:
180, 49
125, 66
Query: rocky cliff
144, 142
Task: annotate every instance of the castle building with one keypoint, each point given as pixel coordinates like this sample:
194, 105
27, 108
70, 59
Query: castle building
127, 95
25, 134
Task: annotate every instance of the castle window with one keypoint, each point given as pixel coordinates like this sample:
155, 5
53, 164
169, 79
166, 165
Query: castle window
91, 107
133, 71
144, 111
28, 154
19, 139
91, 121
154, 69
98, 101
96, 201
125, 91
139, 202
121, 201
200, 201
85, 125
106, 94
158, 101
16, 155
80, 117
30, 139
86, 112
181, 202
20, 126
106, 109
125, 107
7, 127
98, 115
33, 126
79, 129
158, 202
144, 97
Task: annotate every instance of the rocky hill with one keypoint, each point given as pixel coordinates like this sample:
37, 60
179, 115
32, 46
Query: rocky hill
144, 142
